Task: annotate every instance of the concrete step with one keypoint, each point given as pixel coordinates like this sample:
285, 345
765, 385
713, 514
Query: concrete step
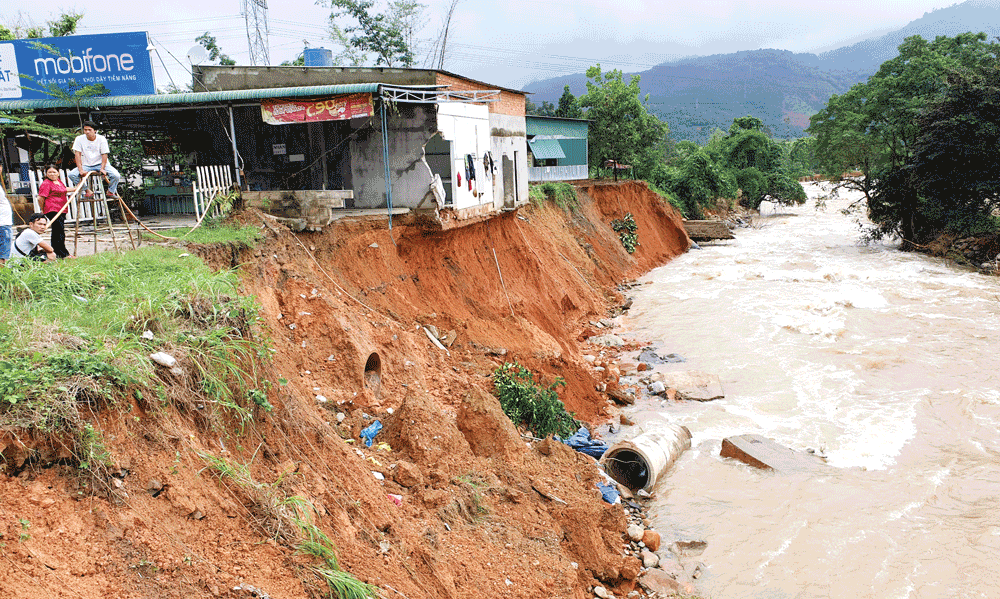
761, 452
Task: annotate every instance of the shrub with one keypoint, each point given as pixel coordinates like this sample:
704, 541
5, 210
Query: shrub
626, 229
536, 407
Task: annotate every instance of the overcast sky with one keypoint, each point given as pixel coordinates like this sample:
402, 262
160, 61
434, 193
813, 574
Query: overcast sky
506, 42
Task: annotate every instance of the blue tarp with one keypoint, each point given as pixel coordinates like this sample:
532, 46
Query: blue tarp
368, 433
582, 442
609, 493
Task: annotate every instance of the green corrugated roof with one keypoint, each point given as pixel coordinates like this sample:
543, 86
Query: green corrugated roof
567, 128
544, 149
197, 97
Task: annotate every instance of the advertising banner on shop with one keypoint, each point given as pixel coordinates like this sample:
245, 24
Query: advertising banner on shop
339, 108
31, 68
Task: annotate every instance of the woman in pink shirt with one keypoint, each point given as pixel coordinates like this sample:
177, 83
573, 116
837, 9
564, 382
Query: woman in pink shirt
53, 192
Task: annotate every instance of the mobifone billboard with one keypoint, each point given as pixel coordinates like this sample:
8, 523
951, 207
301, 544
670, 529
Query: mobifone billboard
37, 69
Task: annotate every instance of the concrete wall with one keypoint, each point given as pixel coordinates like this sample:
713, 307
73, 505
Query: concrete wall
508, 139
558, 173
410, 127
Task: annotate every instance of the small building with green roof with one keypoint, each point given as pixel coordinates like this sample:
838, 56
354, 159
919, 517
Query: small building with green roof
557, 148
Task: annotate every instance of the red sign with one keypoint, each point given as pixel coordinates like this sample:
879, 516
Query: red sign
339, 108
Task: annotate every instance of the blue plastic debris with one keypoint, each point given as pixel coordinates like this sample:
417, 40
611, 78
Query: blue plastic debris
582, 442
609, 493
368, 433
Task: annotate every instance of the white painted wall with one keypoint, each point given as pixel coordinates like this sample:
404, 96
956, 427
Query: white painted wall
467, 127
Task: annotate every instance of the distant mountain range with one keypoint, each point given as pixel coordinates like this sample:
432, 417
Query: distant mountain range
699, 94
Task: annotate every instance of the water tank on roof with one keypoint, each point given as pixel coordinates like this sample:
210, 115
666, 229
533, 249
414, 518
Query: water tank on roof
318, 57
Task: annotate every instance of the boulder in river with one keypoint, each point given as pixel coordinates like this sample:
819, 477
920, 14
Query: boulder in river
695, 386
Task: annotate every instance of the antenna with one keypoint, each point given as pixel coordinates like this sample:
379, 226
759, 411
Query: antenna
255, 13
197, 55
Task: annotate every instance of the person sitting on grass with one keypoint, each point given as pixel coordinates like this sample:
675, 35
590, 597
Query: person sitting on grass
53, 192
29, 244
6, 222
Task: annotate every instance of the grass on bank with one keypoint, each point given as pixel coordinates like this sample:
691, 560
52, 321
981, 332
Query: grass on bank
561, 193
290, 520
227, 232
72, 337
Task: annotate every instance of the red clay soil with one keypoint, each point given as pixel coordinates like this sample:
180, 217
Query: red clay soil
481, 514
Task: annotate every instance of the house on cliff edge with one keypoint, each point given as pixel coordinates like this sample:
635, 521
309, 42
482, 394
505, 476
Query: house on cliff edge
312, 143
438, 127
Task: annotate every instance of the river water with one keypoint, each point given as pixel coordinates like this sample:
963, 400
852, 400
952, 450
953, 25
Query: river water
886, 361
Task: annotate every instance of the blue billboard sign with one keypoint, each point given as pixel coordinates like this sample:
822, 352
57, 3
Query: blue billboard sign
119, 61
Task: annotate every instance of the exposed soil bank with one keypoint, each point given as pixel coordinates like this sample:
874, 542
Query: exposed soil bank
478, 513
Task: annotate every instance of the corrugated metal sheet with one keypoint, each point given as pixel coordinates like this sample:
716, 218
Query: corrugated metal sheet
196, 97
544, 149
575, 150
559, 127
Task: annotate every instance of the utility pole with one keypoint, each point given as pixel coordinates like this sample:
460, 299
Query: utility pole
255, 13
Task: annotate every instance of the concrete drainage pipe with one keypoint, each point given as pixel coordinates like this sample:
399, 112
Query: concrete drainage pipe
639, 462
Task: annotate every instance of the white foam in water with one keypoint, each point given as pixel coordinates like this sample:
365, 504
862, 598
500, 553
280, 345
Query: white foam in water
876, 431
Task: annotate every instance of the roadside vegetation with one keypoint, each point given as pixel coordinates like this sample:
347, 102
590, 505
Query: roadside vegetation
77, 337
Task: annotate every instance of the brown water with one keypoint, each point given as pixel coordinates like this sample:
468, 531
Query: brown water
887, 361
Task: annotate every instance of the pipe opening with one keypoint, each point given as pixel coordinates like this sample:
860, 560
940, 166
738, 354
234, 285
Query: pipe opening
373, 374
627, 467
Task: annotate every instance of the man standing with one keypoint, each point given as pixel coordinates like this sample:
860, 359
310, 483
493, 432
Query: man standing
91, 152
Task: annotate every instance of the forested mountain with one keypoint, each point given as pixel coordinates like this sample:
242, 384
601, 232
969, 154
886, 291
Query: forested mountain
696, 95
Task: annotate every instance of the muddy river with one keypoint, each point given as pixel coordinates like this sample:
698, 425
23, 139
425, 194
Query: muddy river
887, 362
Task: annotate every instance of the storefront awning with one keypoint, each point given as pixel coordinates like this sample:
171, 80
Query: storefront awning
545, 149
196, 97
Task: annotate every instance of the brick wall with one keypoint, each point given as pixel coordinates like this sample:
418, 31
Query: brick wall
511, 103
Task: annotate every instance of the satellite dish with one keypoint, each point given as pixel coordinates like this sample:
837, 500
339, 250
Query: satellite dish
197, 55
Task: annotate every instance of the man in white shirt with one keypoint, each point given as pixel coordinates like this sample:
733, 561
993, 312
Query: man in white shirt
91, 151
30, 239
6, 222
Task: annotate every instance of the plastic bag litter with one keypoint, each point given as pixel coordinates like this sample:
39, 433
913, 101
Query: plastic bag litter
609, 493
368, 433
581, 441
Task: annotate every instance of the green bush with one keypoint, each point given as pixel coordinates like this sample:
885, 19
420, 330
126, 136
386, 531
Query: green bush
626, 229
525, 402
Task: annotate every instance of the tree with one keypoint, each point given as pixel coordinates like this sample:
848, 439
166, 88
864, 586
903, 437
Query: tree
873, 126
23, 28
569, 106
208, 42
756, 164
952, 180
621, 127
546, 109
387, 35
697, 181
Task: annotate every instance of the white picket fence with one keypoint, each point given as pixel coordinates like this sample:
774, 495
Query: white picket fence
211, 181
86, 209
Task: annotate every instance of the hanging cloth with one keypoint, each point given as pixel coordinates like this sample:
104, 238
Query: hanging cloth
470, 168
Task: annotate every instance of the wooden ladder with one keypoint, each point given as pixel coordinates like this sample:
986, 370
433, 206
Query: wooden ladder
99, 196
